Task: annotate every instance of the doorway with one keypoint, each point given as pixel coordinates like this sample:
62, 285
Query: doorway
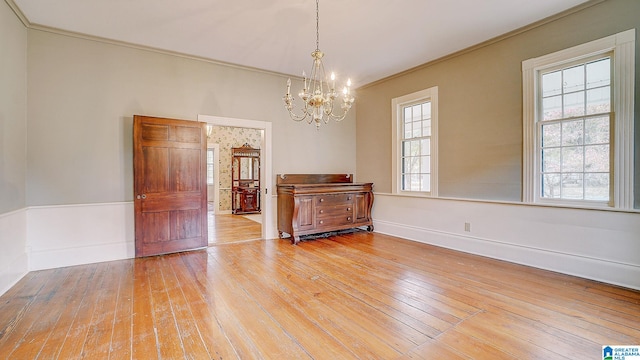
231, 228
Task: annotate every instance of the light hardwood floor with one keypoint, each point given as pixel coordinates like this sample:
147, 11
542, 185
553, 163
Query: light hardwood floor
355, 296
227, 228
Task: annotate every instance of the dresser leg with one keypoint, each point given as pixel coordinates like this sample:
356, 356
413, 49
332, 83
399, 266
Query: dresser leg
295, 240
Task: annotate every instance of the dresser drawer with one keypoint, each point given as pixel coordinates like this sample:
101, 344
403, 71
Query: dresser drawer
328, 222
334, 199
333, 211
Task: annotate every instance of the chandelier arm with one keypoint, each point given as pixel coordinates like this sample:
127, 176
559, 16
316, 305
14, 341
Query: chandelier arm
295, 117
337, 118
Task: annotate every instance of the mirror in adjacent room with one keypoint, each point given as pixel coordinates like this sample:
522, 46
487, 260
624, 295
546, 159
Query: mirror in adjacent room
245, 180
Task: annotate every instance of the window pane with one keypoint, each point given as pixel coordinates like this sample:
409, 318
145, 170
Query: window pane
413, 165
417, 112
415, 182
426, 110
551, 160
426, 183
551, 186
425, 166
551, 84
415, 148
572, 133
551, 135
425, 147
407, 114
406, 165
572, 159
573, 78
599, 73
426, 128
596, 130
599, 100
406, 148
417, 129
210, 174
210, 166
574, 104
406, 182
552, 108
572, 187
596, 158
596, 187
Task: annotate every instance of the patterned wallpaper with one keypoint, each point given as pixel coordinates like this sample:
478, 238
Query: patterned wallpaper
228, 137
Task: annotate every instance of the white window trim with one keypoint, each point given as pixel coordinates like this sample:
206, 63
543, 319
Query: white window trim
430, 94
623, 47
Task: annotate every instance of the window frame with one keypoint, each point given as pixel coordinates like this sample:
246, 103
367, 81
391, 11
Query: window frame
397, 106
621, 47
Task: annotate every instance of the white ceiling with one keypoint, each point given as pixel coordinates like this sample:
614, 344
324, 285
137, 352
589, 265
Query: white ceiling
364, 39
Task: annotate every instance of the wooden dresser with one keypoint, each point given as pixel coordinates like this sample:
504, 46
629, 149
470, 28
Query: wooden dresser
317, 203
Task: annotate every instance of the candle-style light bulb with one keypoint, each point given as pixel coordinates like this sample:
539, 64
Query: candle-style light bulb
333, 81
288, 86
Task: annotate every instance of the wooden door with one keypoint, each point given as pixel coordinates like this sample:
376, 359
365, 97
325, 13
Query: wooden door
170, 185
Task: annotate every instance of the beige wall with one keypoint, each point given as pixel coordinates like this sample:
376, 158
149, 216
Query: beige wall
14, 260
480, 106
13, 110
83, 94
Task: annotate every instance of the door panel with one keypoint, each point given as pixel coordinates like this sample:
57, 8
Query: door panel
170, 185
185, 163
156, 166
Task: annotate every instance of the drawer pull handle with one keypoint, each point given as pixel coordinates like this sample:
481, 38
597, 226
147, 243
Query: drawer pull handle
348, 197
321, 222
321, 211
321, 199
349, 218
348, 209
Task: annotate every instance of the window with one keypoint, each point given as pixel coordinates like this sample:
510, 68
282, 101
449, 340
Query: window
578, 125
210, 166
415, 124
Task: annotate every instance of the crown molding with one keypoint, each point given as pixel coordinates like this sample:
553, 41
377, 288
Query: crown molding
19, 13
32, 26
486, 43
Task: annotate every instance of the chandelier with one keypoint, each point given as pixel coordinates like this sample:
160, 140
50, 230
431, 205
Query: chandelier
318, 94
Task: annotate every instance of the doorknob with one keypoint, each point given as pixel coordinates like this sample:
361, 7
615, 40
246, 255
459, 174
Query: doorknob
143, 196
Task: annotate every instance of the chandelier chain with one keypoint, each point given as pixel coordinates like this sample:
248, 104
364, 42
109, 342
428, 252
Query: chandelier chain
317, 25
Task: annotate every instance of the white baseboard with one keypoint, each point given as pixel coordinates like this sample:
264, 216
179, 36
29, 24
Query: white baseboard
13, 272
623, 274
70, 235
14, 259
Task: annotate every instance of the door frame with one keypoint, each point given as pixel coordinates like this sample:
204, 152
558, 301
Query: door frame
266, 165
216, 176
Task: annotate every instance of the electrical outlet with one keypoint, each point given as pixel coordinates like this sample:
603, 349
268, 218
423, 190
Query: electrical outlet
467, 227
